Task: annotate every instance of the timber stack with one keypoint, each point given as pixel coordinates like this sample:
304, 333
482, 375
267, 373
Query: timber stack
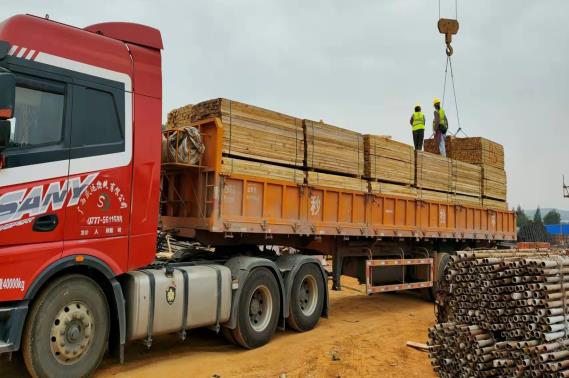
263, 143
507, 314
487, 155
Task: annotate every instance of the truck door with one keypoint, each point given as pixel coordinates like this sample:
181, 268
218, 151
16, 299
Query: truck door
101, 152
33, 180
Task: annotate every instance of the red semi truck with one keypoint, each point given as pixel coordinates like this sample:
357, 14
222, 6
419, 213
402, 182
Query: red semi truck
80, 182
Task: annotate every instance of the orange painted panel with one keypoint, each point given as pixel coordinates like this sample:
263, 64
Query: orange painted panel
254, 199
389, 212
346, 207
274, 201
315, 201
359, 208
400, 213
232, 198
292, 203
331, 207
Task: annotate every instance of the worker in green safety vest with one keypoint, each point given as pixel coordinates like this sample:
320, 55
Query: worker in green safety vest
440, 126
417, 121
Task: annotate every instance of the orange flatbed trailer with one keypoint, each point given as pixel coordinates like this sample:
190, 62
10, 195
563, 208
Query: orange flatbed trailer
219, 209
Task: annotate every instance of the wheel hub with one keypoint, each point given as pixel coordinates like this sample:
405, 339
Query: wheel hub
308, 295
71, 332
260, 308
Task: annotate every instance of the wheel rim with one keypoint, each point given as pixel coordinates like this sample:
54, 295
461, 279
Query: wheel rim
71, 332
308, 295
260, 308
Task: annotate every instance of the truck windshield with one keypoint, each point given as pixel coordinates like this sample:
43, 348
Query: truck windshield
38, 118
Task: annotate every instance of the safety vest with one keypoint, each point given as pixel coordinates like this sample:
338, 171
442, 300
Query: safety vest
442, 118
418, 121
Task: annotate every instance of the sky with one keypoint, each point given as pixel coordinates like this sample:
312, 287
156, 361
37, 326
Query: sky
364, 64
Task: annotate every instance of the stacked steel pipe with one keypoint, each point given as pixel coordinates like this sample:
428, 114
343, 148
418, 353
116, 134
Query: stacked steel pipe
507, 315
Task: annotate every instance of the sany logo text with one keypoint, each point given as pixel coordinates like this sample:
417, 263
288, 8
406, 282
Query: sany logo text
15, 205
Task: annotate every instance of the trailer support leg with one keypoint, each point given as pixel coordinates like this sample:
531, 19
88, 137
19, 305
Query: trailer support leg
336, 271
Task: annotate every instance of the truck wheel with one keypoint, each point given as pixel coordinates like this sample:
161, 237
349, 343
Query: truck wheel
67, 330
440, 274
258, 310
307, 298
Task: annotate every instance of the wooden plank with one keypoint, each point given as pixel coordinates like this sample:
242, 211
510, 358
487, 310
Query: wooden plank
466, 179
393, 189
336, 181
251, 132
494, 183
388, 160
333, 149
493, 204
477, 150
433, 172
179, 117
232, 166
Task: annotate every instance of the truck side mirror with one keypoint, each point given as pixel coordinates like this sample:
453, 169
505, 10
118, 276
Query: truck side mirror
7, 95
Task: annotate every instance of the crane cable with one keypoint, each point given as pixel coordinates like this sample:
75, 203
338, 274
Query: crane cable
447, 65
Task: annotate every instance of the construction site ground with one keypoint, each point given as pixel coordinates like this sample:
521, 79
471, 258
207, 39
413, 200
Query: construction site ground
364, 336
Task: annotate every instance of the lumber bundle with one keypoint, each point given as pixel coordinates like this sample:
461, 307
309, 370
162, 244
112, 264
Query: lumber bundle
508, 315
434, 196
433, 172
388, 160
494, 183
460, 199
431, 145
179, 117
389, 189
232, 166
333, 150
479, 151
466, 179
493, 204
336, 181
255, 133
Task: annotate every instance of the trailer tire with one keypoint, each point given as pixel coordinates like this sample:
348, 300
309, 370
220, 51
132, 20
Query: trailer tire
258, 309
67, 330
307, 298
440, 272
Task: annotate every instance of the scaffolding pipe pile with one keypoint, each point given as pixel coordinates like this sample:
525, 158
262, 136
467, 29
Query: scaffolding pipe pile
507, 316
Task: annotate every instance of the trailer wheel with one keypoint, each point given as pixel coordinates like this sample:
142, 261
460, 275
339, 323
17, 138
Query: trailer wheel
259, 309
67, 330
307, 298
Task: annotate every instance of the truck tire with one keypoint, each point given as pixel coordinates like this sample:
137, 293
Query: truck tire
258, 309
67, 330
307, 298
440, 273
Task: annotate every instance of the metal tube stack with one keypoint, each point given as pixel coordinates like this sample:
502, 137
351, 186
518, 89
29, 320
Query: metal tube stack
508, 315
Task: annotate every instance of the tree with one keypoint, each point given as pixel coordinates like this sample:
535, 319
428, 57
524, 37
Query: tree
537, 216
522, 218
552, 217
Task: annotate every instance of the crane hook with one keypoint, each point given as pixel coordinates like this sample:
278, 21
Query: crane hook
449, 28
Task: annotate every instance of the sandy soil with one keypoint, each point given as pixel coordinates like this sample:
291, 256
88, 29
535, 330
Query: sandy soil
364, 337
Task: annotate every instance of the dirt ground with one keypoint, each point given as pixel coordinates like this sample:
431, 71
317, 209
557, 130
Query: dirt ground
364, 337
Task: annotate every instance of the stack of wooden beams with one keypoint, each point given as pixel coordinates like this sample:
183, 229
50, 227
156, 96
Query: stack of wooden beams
336, 181
255, 133
388, 160
494, 183
331, 149
179, 117
479, 151
433, 172
434, 196
466, 179
431, 145
389, 189
493, 204
232, 166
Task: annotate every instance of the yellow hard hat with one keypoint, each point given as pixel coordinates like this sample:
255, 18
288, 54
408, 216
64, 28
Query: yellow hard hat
436, 101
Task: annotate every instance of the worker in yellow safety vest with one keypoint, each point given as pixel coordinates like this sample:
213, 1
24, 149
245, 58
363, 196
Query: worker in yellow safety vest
417, 121
440, 126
